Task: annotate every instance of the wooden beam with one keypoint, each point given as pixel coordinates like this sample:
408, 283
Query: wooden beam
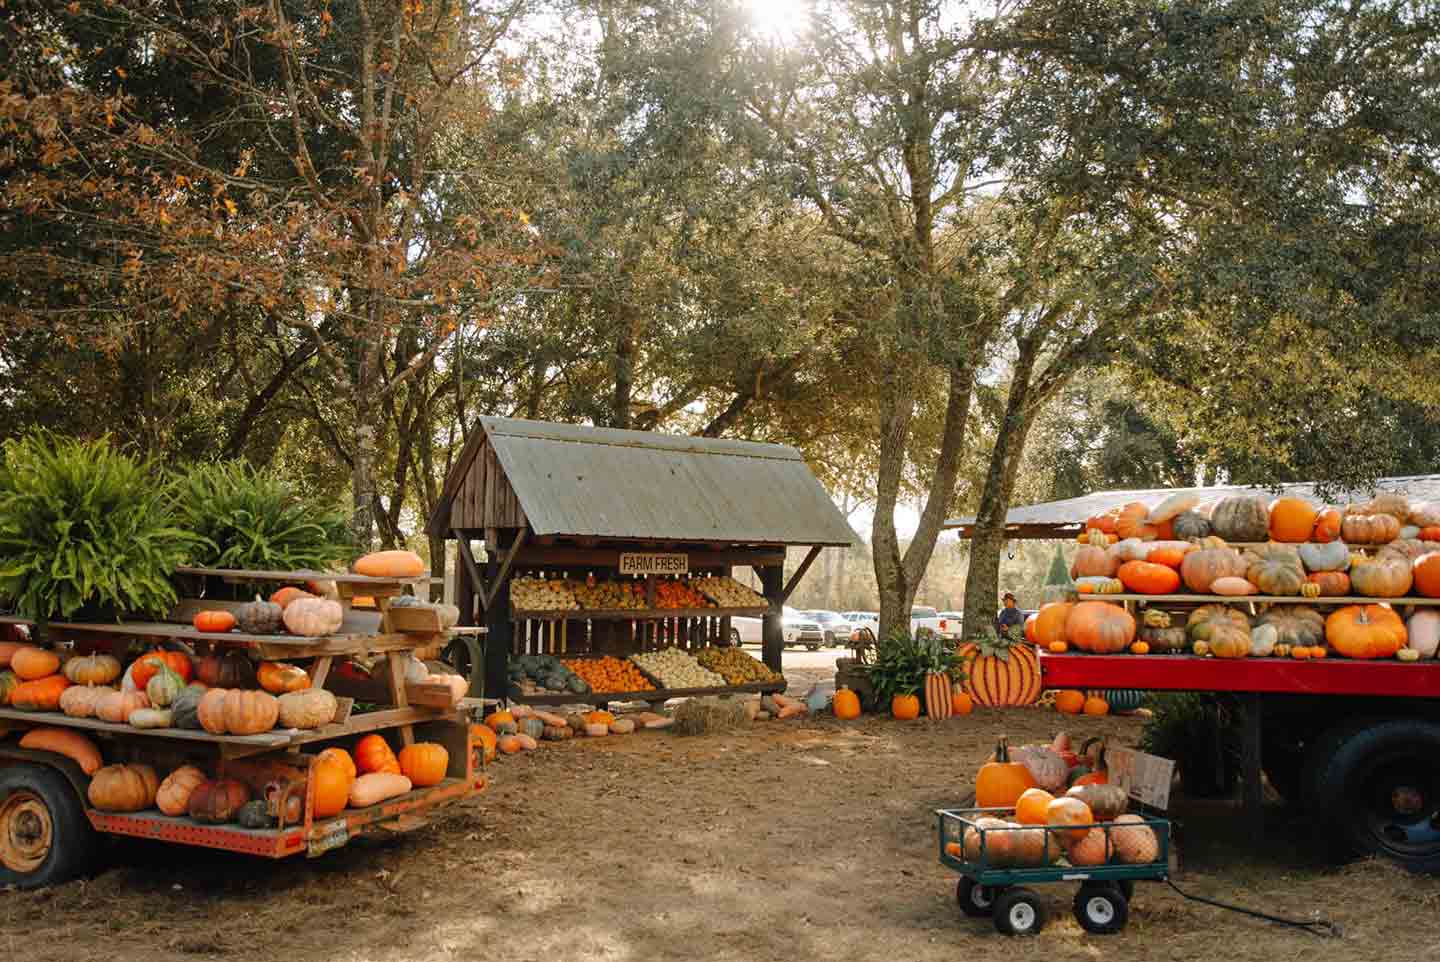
462, 544
800, 573
561, 556
488, 597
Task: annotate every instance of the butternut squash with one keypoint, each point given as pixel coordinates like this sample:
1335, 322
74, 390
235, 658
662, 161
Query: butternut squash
376, 787
508, 744
527, 743
73, 745
550, 718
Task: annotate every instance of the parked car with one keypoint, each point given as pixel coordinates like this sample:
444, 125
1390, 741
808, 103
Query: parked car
797, 628
950, 622
922, 618
839, 630
868, 620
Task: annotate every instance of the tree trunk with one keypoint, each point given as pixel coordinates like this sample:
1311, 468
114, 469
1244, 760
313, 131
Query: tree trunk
897, 408
620, 405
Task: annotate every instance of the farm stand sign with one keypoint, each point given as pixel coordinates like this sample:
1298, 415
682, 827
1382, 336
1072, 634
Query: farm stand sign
654, 564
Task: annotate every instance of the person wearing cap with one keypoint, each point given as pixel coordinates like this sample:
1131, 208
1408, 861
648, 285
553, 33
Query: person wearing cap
1009, 615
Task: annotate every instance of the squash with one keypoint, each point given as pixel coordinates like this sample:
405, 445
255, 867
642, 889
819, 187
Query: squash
424, 763
1365, 631
216, 802
510, 744
331, 775
164, 687
1241, 518
289, 594
1332, 556
1263, 639
7, 651
376, 787
1069, 811
1001, 781
116, 707
79, 701
149, 663
592, 729
1132, 522
1295, 625
64, 741
1134, 841
529, 726
313, 617
278, 678
260, 617
1045, 766
216, 622
1426, 574
624, 726
1173, 506
374, 754
1423, 632
8, 684
1190, 526
1093, 848
1100, 627
254, 814
1233, 587
1030, 806
42, 694
1163, 640
173, 796
151, 718
1104, 801
1275, 569
527, 743
123, 788
390, 564
31, 664
184, 709
1090, 561
1384, 576
485, 736
97, 669
1207, 564
1149, 578
1331, 584
556, 733
231, 669
1292, 519
223, 711
1225, 631
1369, 528
1390, 503
308, 709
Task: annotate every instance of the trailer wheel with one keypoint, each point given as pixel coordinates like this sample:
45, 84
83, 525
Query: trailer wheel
976, 900
1101, 909
45, 837
1019, 911
1378, 791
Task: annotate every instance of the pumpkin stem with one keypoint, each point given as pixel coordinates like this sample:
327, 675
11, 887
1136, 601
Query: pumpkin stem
1002, 750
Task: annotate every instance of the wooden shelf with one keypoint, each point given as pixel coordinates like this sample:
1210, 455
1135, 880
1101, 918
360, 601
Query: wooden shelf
635, 614
658, 694
270, 646
1265, 599
339, 577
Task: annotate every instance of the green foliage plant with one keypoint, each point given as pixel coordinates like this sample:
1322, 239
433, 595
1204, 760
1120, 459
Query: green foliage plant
1201, 732
256, 520
86, 526
903, 661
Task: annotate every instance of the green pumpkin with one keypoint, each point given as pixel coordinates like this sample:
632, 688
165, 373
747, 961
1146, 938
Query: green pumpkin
254, 815
260, 618
1123, 699
183, 710
164, 687
578, 685
8, 683
531, 726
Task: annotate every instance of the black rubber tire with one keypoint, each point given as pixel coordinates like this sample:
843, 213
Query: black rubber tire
72, 839
1375, 790
976, 900
1101, 909
1284, 771
1019, 911
1126, 887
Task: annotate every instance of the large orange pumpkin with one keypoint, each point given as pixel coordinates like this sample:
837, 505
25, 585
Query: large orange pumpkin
1000, 782
331, 774
1091, 561
1071, 701
1100, 627
1327, 526
1426, 571
1365, 631
1050, 622
1146, 578
1030, 627
1292, 519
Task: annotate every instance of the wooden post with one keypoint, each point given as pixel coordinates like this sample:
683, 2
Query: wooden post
1251, 761
500, 630
772, 633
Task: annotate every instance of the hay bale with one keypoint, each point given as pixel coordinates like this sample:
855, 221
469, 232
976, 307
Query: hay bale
706, 716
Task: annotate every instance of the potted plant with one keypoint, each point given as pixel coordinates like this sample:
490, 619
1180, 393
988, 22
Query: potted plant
901, 664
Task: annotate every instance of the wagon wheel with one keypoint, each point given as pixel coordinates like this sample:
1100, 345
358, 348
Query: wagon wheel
1019, 911
1101, 909
976, 900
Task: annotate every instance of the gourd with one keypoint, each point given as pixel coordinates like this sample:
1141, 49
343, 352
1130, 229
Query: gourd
116, 707
331, 774
845, 704
123, 788
531, 726
31, 664
164, 687
1095, 705
1164, 639
1263, 639
1045, 766
1333, 556
1100, 627
231, 669
510, 744
150, 718
376, 787
1105, 802
278, 678
1070, 701
390, 564
216, 802
485, 735
905, 707
149, 663
184, 709
260, 617
98, 669
1365, 631
1423, 632
79, 701
1149, 578
1092, 849
308, 709
1224, 630
62, 741
424, 763
1241, 518
1332, 584
1000, 783
1381, 577
1134, 841
1233, 587
1173, 506
373, 754
986, 839
173, 797
43, 694
214, 621
254, 814
1071, 811
1327, 526
313, 617
1275, 569
1203, 566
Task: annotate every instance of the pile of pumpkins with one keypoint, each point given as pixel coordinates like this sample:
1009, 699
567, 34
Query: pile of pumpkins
374, 774
521, 728
1063, 807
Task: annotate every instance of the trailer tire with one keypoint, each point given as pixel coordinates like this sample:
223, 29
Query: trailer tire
1376, 790
45, 837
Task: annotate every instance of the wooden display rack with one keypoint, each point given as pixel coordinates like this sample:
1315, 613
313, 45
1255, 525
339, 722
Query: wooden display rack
276, 760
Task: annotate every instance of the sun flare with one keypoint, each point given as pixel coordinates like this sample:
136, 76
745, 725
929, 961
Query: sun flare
784, 19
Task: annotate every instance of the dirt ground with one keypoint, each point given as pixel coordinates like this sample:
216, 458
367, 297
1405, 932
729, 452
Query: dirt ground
797, 840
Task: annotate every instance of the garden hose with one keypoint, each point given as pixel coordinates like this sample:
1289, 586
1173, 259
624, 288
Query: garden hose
1322, 927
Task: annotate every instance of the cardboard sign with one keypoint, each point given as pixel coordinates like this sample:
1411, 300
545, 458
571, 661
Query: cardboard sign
1145, 778
654, 564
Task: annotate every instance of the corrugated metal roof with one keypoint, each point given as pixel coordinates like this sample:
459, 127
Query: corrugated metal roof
1073, 511
607, 483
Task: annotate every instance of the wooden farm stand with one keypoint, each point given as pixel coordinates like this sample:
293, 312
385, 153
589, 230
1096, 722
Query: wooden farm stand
560, 501
273, 764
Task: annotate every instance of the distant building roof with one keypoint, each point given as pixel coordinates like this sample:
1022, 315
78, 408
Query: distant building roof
577, 481
1063, 519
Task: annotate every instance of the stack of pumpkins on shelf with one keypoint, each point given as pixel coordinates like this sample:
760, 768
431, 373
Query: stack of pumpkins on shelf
1291, 548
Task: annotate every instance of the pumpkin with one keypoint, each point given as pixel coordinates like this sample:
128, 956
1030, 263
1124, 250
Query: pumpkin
1191, 526
485, 735
313, 617
79, 701
556, 733
116, 707
1028, 847
278, 677
260, 617
390, 564
1424, 514
1332, 584
1100, 627
214, 621
254, 814
626, 726
1295, 625
1423, 632
1050, 622
1134, 841
1104, 523
1045, 765
184, 710
149, 663
1173, 506
1000, 672
592, 729
31, 664
1132, 522
1070, 811
1408, 549
1105, 802
1275, 569
1225, 631
1389, 503
1001, 782
1426, 574
937, 695
231, 711
1168, 639
286, 595
377, 787
306, 709
331, 774
1096, 705
164, 687
1143, 577
92, 669
1384, 576
986, 840
1233, 587
1070, 701
1429, 533
905, 707
1091, 561
1131, 549
1093, 848
64, 741
217, 801
42, 694
1203, 566
1369, 528
424, 763
8, 649
1122, 699
1327, 526
1169, 555
373, 754
123, 788
173, 796
1365, 631
1241, 518
1263, 639
231, 669
1333, 556
846, 704
1292, 520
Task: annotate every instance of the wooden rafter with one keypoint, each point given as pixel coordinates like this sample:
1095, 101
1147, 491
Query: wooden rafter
800, 572
488, 597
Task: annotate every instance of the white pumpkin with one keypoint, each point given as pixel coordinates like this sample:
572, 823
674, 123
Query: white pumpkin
313, 617
1175, 504
1333, 556
1131, 549
1262, 640
1424, 632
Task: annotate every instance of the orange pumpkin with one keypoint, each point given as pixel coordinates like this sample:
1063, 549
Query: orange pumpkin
284, 596
1070, 701
1100, 627
1102, 522
1384, 576
905, 707
424, 763
217, 621
391, 564
373, 754
1091, 561
1430, 533
1095, 705
1426, 572
1050, 622
1143, 577
1168, 556
1205, 565
1030, 806
961, 703
1068, 810
1132, 522
1333, 584
485, 735
148, 665
1292, 520
1030, 628
1327, 526
31, 664
279, 678
331, 775
1001, 782
42, 694
1365, 631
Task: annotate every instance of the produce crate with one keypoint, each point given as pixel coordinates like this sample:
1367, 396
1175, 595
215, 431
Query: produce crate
991, 869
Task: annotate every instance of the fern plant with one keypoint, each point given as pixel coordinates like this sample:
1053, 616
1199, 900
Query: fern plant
254, 519
84, 526
902, 662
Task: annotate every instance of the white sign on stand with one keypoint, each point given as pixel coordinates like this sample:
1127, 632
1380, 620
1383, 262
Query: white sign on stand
1145, 778
654, 564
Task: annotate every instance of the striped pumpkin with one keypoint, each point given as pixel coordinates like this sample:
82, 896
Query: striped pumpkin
1122, 699
1005, 676
937, 695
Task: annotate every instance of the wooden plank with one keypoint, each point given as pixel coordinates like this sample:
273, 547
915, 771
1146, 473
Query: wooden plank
355, 622
505, 564
399, 697
800, 573
302, 575
467, 556
562, 556
266, 741
1265, 599
659, 694
637, 614
424, 620
320, 671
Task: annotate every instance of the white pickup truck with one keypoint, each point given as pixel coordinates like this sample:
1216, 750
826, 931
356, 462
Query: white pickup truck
922, 620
